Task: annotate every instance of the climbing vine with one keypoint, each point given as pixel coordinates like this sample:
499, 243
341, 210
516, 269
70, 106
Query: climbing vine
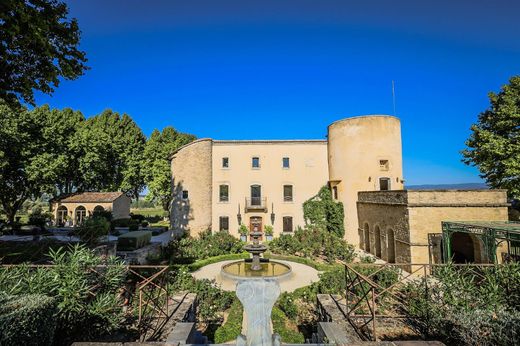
324, 212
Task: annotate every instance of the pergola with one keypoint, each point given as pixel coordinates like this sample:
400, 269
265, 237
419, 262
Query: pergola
493, 234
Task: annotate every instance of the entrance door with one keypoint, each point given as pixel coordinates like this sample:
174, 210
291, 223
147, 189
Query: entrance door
256, 195
255, 225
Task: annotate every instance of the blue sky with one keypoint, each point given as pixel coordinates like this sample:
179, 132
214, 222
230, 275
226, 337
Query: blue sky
285, 69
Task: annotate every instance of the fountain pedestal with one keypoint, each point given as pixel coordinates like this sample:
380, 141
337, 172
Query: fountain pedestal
258, 297
256, 249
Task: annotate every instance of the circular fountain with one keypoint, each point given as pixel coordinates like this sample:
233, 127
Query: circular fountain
256, 266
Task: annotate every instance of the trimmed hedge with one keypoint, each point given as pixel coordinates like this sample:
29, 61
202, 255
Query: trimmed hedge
133, 240
287, 335
27, 320
230, 330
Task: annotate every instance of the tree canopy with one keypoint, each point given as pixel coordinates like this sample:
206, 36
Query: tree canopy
494, 144
21, 151
39, 44
157, 157
111, 148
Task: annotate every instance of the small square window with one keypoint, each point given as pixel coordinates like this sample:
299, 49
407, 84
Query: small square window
285, 162
223, 224
225, 162
384, 165
384, 184
224, 193
255, 162
185, 194
287, 224
287, 193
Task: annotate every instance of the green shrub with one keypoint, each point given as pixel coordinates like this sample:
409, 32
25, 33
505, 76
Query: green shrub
205, 246
107, 214
468, 305
324, 212
313, 242
83, 297
39, 218
119, 223
93, 228
133, 240
230, 330
212, 300
27, 320
133, 225
287, 335
287, 304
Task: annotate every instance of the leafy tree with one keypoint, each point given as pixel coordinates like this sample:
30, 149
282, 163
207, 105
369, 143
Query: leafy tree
157, 156
21, 149
324, 212
111, 150
60, 161
494, 144
38, 45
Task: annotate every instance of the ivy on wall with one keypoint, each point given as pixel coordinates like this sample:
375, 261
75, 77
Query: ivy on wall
324, 212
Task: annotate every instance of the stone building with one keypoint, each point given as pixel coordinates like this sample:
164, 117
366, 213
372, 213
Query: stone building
406, 226
220, 184
73, 209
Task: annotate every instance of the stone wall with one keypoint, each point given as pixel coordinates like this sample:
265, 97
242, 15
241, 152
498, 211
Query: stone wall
412, 215
191, 172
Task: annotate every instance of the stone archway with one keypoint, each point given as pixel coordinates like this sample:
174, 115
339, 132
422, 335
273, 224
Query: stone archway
377, 241
390, 239
366, 237
467, 248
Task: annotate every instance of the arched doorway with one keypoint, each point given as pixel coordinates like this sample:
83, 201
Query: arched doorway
377, 239
98, 210
61, 215
367, 237
390, 238
466, 248
81, 214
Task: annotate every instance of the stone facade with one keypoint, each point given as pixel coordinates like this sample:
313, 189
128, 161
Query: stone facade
359, 154
192, 175
397, 223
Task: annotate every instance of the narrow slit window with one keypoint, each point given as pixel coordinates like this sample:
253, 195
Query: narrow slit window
255, 162
224, 224
224, 193
225, 162
285, 162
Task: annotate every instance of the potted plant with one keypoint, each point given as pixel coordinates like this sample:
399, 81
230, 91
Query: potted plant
243, 232
268, 230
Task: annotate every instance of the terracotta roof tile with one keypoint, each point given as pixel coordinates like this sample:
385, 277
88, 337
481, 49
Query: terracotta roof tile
91, 197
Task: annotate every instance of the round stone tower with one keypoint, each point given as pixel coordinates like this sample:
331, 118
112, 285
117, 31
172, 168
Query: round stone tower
364, 155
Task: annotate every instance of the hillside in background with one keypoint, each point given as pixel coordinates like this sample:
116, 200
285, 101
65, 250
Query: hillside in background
463, 186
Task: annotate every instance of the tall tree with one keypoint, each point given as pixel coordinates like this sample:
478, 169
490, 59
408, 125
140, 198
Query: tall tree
60, 160
159, 148
21, 149
494, 144
111, 150
38, 45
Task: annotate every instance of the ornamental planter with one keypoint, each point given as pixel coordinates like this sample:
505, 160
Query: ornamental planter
269, 237
243, 237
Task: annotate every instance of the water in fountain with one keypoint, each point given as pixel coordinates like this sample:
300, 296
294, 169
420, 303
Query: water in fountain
256, 267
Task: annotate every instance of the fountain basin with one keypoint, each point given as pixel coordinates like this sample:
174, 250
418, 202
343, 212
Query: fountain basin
268, 270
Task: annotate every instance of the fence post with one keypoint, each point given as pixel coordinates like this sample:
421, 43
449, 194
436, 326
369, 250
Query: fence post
427, 300
374, 334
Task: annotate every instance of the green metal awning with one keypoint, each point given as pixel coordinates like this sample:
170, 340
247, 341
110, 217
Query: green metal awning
491, 233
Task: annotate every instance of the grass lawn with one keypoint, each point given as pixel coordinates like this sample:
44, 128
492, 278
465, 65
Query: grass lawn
148, 211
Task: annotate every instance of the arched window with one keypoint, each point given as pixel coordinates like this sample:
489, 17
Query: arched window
377, 239
81, 214
367, 237
61, 215
390, 238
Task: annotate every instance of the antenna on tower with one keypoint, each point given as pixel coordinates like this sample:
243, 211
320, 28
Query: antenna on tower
393, 95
